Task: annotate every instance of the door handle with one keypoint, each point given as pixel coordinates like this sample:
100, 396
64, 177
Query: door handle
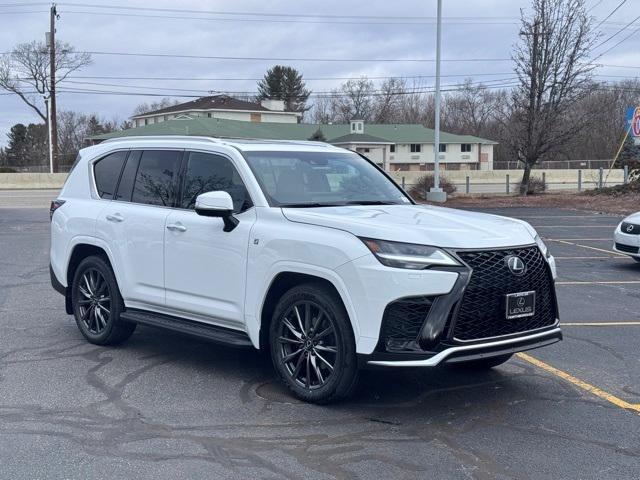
115, 217
177, 227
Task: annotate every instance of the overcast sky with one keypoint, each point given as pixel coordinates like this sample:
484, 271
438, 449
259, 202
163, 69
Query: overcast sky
487, 30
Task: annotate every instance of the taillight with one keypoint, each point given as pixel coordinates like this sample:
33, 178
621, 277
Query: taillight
55, 204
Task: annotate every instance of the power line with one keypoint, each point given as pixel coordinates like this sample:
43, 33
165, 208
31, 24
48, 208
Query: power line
612, 12
307, 79
245, 93
264, 14
301, 21
292, 59
620, 42
611, 37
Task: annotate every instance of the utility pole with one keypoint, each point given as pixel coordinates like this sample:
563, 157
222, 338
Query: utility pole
46, 103
53, 121
436, 194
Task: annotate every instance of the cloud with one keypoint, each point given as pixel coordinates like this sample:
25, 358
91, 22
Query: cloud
357, 39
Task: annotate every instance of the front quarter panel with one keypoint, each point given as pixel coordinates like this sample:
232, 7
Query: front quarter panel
277, 245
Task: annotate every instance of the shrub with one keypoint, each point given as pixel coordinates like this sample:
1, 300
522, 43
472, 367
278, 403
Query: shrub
7, 170
424, 184
536, 185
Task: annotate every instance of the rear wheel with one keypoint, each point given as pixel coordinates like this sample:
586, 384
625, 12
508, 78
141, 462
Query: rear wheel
97, 303
484, 363
312, 344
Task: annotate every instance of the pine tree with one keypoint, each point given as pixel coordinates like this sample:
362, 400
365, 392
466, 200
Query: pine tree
284, 83
318, 136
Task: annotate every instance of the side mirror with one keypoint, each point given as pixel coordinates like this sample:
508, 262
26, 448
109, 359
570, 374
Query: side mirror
217, 204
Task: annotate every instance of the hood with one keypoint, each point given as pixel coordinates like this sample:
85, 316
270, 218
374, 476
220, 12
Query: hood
633, 218
422, 224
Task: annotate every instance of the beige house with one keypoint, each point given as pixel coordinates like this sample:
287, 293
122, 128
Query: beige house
220, 106
396, 147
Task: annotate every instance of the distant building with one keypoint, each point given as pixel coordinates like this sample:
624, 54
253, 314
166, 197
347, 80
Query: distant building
220, 106
396, 147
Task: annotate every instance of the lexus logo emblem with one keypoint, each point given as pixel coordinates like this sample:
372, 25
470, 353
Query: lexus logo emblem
629, 228
516, 265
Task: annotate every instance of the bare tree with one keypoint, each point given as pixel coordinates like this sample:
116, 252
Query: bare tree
25, 71
165, 102
553, 71
387, 102
471, 109
354, 100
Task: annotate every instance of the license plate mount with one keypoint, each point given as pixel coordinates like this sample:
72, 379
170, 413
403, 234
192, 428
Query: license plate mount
520, 305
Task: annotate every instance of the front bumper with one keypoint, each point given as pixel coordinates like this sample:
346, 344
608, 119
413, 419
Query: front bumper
625, 243
465, 353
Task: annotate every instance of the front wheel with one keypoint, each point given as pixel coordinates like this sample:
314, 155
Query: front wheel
312, 344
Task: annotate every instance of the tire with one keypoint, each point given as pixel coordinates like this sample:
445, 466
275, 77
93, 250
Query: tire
637, 259
97, 303
484, 363
318, 365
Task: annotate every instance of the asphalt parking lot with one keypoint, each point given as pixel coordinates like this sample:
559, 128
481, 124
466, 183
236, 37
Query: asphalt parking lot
162, 406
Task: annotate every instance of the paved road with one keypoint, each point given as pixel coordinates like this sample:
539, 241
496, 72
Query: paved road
162, 406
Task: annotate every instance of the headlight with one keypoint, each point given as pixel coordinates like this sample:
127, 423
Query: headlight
543, 248
408, 255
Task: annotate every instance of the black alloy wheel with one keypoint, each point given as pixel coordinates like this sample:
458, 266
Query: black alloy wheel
97, 303
308, 345
312, 344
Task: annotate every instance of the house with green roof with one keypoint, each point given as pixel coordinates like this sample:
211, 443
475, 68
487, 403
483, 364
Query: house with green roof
395, 147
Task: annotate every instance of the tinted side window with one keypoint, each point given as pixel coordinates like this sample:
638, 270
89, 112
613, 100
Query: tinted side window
155, 180
206, 173
128, 177
107, 173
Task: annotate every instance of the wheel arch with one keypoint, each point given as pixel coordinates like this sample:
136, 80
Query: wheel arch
79, 251
285, 280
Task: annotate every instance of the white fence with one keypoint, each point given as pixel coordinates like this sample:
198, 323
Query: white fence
507, 181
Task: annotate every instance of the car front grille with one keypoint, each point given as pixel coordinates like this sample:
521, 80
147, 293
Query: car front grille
626, 248
402, 321
630, 228
482, 312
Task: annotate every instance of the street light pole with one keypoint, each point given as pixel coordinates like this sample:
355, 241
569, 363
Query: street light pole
436, 194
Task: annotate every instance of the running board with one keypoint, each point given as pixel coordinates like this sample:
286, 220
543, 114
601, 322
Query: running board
212, 333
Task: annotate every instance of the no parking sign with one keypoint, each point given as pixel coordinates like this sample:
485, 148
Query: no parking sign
633, 124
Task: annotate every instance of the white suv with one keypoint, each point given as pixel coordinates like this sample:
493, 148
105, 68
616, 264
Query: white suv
301, 249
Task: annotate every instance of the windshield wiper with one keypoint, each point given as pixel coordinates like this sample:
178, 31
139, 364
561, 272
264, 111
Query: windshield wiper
310, 205
370, 202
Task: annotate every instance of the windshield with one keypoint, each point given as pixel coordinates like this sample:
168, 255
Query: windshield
322, 179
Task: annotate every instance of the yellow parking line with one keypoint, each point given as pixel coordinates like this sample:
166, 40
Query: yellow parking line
588, 247
618, 402
613, 282
599, 324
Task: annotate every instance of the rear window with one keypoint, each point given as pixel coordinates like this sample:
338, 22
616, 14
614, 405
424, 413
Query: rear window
107, 172
156, 177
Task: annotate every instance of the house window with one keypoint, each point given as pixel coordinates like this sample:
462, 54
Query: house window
443, 148
392, 148
416, 147
465, 147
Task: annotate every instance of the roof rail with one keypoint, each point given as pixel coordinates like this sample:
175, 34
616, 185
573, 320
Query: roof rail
163, 137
